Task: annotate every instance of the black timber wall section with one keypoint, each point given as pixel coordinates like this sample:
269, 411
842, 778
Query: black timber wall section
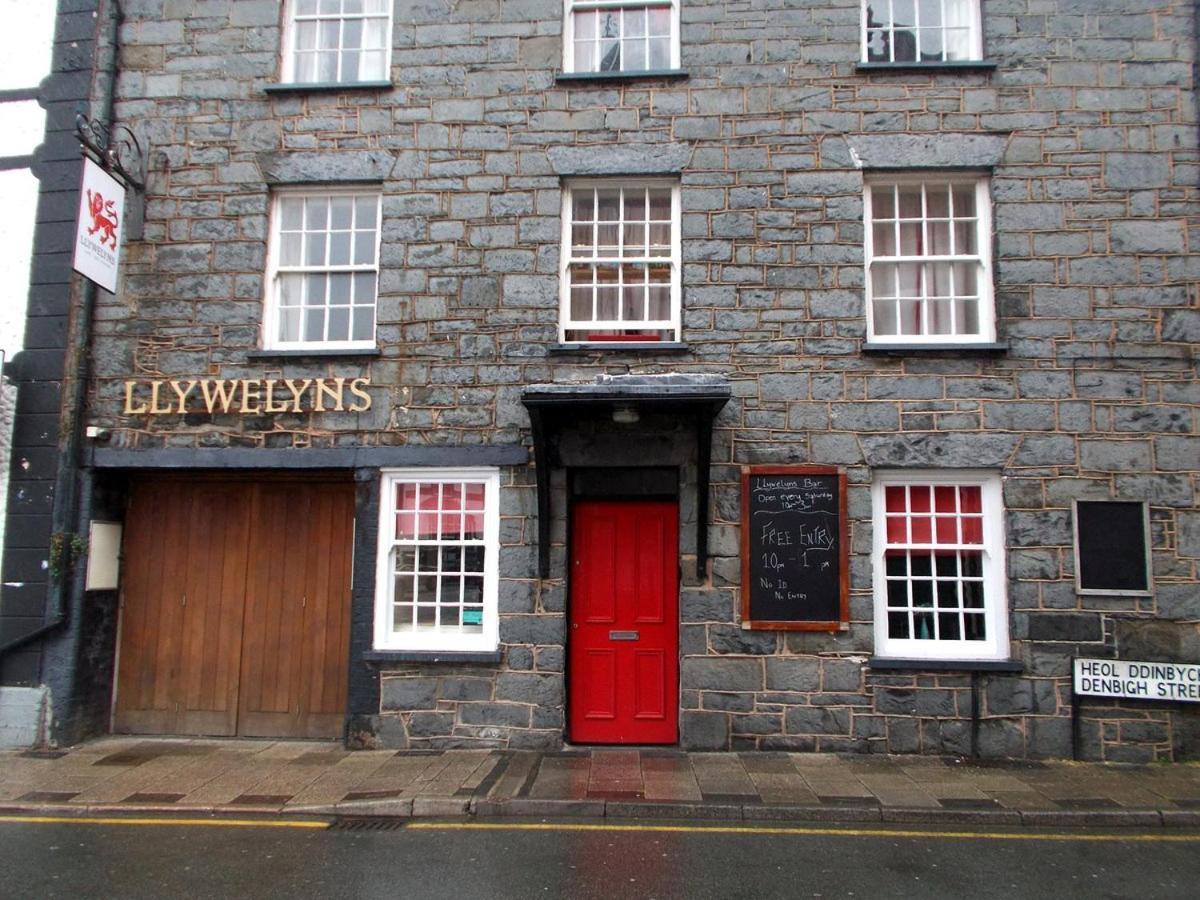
38, 370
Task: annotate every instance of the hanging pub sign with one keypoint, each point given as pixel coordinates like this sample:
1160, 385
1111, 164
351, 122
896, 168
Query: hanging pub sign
98, 229
794, 549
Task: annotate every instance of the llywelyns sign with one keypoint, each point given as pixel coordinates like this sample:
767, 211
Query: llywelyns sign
246, 396
1137, 680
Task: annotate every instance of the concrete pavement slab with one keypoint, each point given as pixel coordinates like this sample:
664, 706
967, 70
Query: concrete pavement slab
127, 774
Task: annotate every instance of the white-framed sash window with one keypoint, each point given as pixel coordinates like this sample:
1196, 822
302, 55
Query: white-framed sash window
620, 261
337, 41
921, 31
322, 269
437, 569
620, 36
939, 565
928, 258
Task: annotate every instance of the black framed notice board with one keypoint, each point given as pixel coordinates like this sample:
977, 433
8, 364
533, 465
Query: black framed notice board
1112, 547
794, 548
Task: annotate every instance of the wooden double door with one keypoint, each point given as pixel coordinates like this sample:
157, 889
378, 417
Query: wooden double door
235, 608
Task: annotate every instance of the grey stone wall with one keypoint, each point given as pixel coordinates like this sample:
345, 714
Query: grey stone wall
1089, 119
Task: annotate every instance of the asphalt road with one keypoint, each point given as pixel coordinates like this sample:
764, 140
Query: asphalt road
47, 859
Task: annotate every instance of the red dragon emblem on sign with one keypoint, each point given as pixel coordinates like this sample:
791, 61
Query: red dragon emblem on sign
104, 218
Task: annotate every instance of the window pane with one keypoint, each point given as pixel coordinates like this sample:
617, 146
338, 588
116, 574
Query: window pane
364, 248
885, 317
289, 325
338, 325
313, 325
364, 324
314, 249
937, 201
660, 205
472, 527
659, 53
957, 43
585, 24
883, 203
659, 18
406, 557
948, 627
406, 496
610, 56
964, 200
976, 627
339, 248
634, 53
884, 237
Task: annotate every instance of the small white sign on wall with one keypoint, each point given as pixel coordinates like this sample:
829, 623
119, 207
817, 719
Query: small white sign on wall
104, 556
98, 230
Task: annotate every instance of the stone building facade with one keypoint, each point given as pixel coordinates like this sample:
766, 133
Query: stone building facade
784, 145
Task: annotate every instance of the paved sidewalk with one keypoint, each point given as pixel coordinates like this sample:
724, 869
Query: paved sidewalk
244, 776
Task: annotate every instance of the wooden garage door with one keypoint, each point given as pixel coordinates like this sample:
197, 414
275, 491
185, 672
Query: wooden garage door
235, 608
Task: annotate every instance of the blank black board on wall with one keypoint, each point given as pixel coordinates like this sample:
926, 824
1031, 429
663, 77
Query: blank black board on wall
1112, 547
794, 548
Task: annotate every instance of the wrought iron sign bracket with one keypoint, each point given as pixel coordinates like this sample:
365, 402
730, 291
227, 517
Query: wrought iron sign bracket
116, 148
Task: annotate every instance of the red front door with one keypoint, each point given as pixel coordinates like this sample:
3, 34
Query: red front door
624, 644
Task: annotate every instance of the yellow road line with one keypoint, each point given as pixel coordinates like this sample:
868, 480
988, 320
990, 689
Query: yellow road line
784, 830
118, 820
750, 830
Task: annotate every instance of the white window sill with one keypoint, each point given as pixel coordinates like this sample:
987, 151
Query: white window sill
624, 346
958, 65
662, 74
886, 663
490, 657
313, 352
292, 87
936, 347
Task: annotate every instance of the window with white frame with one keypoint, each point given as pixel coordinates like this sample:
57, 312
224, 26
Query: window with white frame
436, 582
921, 31
620, 261
621, 35
939, 565
323, 270
928, 259
337, 41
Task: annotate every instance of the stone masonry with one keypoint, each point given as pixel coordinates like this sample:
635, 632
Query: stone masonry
1088, 123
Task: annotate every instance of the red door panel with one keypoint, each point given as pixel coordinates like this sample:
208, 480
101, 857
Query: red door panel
598, 685
624, 645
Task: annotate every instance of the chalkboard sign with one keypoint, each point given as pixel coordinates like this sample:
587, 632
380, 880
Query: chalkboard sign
1112, 547
794, 548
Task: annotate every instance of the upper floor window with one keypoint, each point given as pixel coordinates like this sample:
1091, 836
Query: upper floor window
620, 262
322, 270
337, 41
929, 267
621, 35
938, 564
921, 31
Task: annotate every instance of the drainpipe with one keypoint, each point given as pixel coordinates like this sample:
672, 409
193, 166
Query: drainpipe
72, 479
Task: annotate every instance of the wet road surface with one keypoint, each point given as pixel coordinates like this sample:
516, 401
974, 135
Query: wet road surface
457, 861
